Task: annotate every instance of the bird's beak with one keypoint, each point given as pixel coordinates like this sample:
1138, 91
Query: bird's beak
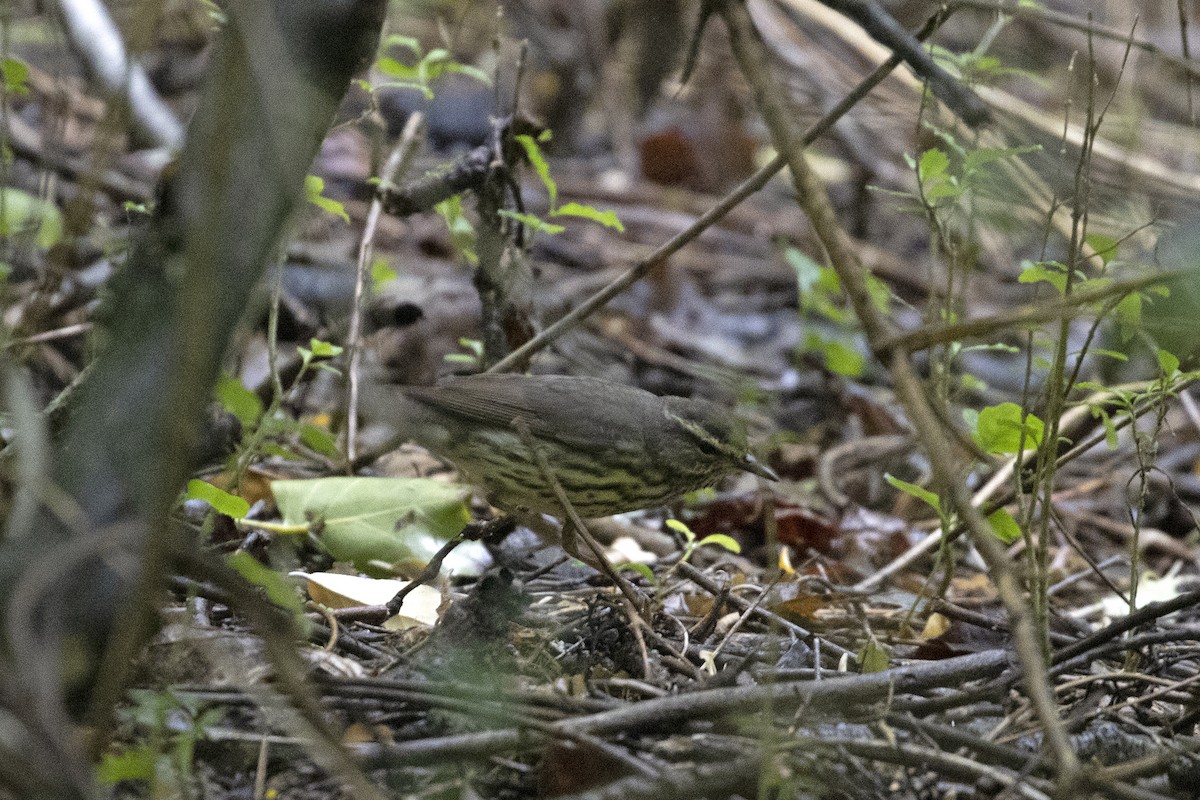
752, 464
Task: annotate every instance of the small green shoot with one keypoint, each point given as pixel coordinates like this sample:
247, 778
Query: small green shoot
472, 357
15, 73
382, 273
317, 354
462, 232
239, 401
174, 724
222, 501
821, 300
428, 67
279, 591
919, 492
26, 215
640, 569
533, 222
314, 187
533, 153
691, 545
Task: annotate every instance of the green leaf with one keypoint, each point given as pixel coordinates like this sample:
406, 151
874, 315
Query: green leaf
382, 273
843, 359
16, 76
918, 492
471, 72
1050, 272
606, 218
413, 85
808, 272
1005, 428
406, 42
533, 222
135, 764
1129, 315
721, 540
1168, 363
474, 353
933, 165
1105, 246
976, 160
540, 166
1004, 526
462, 232
995, 346
1111, 439
324, 349
681, 527
881, 294
222, 501
942, 190
314, 185
640, 569
972, 383
25, 213
433, 64
1113, 354
376, 519
279, 591
238, 400
873, 657
319, 440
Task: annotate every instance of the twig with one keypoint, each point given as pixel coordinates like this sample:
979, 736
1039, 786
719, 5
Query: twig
1065, 308
497, 528
742, 604
277, 631
635, 600
709, 218
878, 22
397, 164
1140, 617
779, 118
1095, 29
816, 697
572, 516
98, 44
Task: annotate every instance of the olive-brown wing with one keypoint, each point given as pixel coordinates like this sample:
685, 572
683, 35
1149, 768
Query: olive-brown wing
575, 411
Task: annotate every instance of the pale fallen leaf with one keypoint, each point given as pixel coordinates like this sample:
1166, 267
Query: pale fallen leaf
333, 590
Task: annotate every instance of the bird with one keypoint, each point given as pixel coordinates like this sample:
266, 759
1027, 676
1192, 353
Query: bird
613, 448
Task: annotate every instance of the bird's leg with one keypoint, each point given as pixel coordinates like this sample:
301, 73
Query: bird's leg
572, 525
569, 514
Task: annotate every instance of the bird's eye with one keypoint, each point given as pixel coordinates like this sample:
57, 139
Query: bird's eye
707, 447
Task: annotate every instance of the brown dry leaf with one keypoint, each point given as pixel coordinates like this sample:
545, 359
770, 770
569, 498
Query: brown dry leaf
977, 587
802, 608
569, 768
360, 733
